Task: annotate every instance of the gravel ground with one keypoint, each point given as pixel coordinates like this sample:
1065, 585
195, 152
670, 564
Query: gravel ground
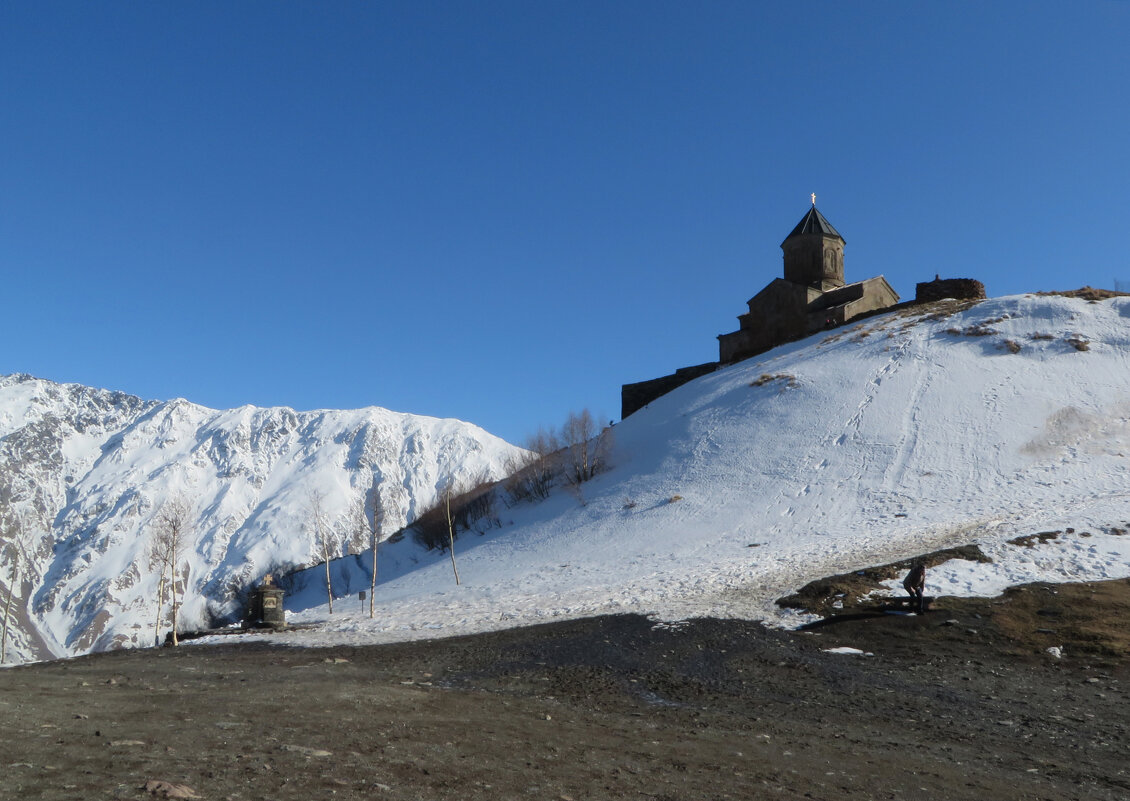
963, 702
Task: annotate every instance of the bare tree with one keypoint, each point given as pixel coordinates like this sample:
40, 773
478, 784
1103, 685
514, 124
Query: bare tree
316, 515
531, 473
16, 536
376, 521
167, 544
448, 491
365, 525
587, 446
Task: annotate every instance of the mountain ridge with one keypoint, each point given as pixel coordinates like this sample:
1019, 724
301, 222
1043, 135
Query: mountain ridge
88, 469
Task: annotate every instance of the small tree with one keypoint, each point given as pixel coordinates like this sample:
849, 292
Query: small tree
316, 517
447, 493
365, 524
17, 557
586, 446
376, 521
166, 548
531, 473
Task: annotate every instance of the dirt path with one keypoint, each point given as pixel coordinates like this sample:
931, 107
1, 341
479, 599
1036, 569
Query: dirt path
962, 703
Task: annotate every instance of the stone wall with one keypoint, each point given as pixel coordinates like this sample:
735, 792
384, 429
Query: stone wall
634, 397
784, 311
957, 288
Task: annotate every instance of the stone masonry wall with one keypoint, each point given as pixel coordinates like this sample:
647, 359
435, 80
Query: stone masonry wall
634, 397
958, 288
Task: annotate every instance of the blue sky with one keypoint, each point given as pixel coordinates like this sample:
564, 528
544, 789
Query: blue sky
501, 211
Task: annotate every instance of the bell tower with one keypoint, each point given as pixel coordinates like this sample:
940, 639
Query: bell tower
814, 252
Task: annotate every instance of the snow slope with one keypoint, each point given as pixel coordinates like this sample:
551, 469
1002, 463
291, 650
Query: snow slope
909, 432
87, 471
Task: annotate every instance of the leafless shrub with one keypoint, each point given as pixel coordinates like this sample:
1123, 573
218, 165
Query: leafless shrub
675, 499
629, 504
457, 509
768, 378
532, 474
1011, 345
1038, 336
586, 447
981, 329
1087, 293
1078, 342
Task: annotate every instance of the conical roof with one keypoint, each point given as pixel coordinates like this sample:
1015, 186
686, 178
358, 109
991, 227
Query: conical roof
814, 223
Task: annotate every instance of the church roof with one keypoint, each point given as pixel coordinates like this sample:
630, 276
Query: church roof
814, 223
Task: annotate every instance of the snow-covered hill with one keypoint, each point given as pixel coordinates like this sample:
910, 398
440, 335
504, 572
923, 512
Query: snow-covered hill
86, 471
909, 432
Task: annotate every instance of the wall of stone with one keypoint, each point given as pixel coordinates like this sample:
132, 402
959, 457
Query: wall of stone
634, 397
940, 288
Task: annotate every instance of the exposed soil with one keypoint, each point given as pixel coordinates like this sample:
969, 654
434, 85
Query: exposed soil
963, 702
851, 592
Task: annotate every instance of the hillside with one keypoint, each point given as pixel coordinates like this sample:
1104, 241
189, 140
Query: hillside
909, 432
86, 471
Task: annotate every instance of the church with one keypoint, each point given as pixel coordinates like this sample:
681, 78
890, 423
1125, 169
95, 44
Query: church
811, 296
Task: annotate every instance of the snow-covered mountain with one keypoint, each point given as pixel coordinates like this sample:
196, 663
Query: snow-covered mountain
86, 471
908, 432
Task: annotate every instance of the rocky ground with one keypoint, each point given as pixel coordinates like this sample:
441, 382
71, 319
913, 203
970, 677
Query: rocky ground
963, 702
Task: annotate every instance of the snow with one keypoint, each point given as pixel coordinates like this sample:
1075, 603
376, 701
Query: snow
887, 439
88, 472
907, 433
848, 650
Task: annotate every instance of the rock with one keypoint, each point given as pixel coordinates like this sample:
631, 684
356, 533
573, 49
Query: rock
163, 789
306, 751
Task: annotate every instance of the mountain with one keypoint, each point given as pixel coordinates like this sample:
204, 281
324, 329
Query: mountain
87, 471
908, 432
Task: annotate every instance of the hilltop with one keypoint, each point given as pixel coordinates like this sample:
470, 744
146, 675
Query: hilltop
929, 427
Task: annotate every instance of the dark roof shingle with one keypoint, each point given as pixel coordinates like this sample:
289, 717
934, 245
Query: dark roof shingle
814, 223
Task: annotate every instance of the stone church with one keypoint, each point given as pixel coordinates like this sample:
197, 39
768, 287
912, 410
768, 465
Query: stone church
812, 296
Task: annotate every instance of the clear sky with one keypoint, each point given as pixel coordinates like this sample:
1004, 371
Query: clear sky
501, 211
